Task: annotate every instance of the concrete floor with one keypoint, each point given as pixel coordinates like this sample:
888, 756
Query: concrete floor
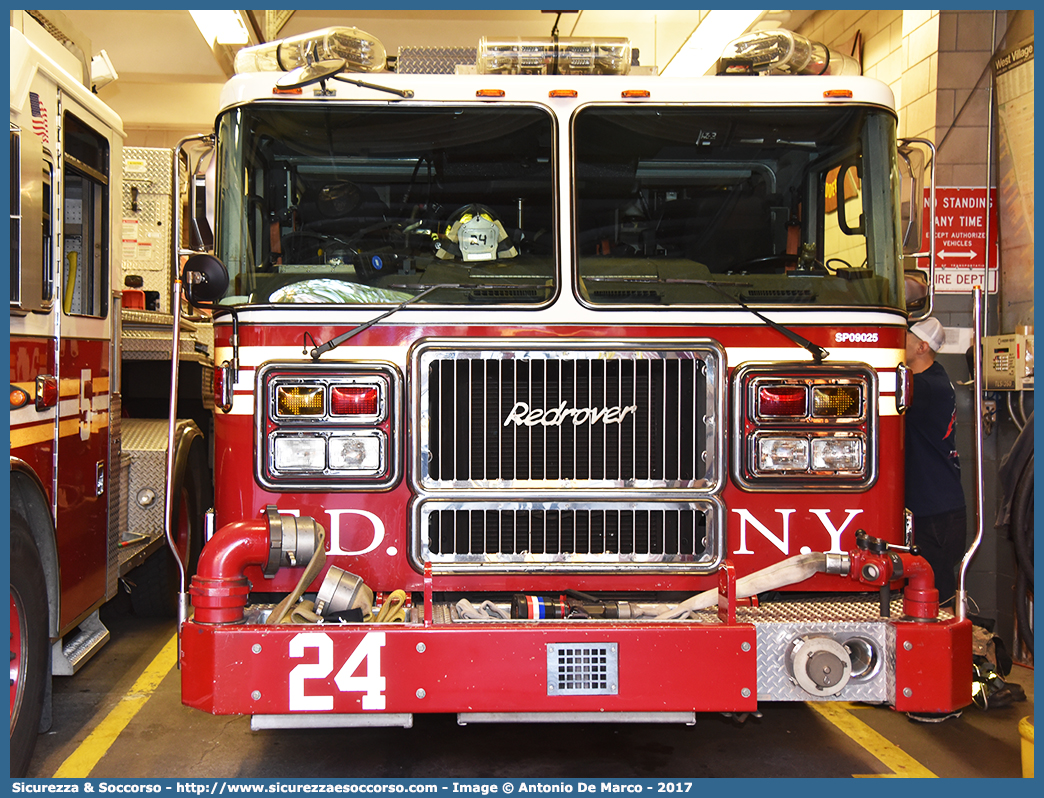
790, 740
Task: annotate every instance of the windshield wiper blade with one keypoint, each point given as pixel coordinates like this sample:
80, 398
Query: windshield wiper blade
333, 343
819, 354
404, 93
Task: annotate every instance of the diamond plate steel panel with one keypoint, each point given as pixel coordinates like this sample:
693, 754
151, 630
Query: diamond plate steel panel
433, 60
147, 217
778, 624
145, 441
146, 336
775, 641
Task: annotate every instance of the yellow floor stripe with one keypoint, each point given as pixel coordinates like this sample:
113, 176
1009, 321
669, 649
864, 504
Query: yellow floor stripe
891, 756
82, 761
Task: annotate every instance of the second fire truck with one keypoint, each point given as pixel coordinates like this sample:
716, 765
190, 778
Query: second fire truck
90, 378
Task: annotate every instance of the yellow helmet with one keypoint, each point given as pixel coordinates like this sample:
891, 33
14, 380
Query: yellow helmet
474, 234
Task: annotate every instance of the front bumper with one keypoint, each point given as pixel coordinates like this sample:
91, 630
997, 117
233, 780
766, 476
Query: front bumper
569, 668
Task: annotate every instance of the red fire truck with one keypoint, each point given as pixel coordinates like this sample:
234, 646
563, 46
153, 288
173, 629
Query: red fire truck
90, 382
564, 385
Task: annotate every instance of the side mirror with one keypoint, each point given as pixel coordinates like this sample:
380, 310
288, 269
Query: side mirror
916, 290
849, 175
916, 162
912, 183
204, 279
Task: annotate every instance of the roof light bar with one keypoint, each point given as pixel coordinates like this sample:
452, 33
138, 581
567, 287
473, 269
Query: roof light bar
360, 51
783, 52
551, 56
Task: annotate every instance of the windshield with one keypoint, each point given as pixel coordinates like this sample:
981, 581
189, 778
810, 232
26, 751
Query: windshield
370, 205
791, 205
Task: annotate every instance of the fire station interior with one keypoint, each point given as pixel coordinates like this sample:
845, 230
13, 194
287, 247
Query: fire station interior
692, 203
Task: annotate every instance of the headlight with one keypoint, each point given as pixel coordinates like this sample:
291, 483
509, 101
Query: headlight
782, 454
299, 454
357, 452
807, 426
328, 426
837, 454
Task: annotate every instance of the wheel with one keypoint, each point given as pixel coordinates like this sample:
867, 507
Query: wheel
30, 663
157, 581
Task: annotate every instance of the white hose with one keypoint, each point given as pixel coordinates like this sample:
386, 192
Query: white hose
788, 572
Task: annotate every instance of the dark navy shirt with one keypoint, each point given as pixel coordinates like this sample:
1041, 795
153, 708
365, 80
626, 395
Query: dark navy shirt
933, 472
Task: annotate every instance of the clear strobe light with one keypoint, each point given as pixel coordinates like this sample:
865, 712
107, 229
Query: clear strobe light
548, 56
783, 52
360, 51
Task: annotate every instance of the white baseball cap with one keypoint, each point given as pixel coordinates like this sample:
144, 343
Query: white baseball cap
931, 332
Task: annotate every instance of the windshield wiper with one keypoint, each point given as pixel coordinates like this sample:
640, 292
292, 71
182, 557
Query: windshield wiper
819, 354
404, 93
333, 343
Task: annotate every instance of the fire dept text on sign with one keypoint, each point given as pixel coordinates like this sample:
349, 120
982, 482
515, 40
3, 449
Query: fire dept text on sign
960, 238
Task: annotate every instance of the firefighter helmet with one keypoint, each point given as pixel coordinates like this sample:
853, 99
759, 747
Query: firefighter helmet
474, 233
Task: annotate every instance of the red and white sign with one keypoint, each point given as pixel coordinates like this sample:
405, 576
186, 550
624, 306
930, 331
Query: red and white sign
960, 238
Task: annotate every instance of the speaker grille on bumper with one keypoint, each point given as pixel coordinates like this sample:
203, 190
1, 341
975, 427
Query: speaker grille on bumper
582, 669
549, 417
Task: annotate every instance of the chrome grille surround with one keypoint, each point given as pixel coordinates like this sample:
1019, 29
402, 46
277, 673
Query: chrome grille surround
654, 537
589, 415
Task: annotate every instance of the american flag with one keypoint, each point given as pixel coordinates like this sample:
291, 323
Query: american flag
39, 116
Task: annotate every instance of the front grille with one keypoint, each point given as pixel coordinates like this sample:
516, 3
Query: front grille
547, 417
598, 536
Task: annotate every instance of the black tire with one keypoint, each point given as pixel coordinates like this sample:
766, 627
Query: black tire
156, 582
30, 662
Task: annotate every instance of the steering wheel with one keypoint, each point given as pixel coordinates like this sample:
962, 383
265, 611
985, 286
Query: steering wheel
766, 264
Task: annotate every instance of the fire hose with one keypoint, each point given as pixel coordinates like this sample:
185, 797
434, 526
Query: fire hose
787, 572
284, 609
873, 562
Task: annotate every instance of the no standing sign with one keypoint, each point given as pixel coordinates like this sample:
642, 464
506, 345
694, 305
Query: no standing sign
960, 238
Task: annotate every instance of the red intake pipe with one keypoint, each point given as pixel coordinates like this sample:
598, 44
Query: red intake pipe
219, 590
920, 598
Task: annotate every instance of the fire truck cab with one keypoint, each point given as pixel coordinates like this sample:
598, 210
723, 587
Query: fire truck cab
568, 394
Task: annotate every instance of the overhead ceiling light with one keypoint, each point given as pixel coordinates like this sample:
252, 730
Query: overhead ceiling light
705, 44
221, 27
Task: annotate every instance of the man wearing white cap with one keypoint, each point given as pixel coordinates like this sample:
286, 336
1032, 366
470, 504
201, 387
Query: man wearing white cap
933, 472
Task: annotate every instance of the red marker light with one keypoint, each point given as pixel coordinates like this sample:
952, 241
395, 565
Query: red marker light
46, 392
355, 400
779, 401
